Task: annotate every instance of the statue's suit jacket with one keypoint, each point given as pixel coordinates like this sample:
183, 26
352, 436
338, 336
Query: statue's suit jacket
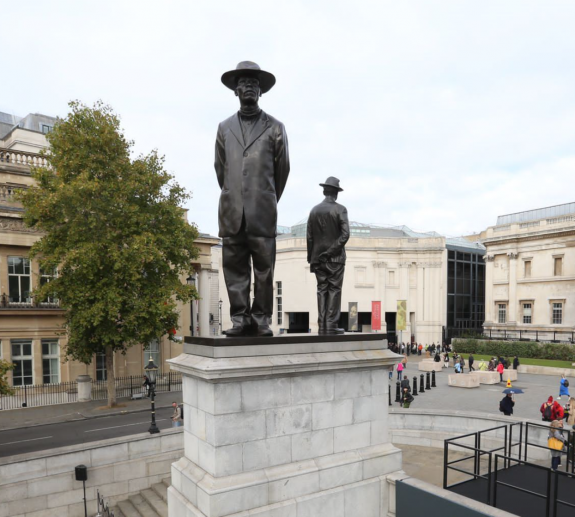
252, 176
327, 231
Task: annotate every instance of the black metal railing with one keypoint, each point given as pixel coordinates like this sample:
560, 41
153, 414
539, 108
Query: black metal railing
103, 508
65, 392
546, 336
512, 453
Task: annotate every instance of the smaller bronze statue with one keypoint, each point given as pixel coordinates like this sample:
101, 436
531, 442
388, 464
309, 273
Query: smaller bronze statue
327, 233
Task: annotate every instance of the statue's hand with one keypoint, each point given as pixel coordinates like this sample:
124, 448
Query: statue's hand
324, 257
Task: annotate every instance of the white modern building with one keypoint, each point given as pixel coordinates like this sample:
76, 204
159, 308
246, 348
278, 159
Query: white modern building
530, 275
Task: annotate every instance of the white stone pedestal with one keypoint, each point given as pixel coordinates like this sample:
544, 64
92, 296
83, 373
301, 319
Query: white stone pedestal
274, 433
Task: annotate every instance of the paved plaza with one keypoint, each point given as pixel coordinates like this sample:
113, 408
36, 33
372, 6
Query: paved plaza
486, 398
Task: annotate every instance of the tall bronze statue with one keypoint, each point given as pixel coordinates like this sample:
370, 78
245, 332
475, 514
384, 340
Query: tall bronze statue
252, 166
327, 233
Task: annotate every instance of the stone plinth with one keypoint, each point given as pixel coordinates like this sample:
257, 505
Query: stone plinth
463, 380
284, 428
430, 366
487, 377
509, 375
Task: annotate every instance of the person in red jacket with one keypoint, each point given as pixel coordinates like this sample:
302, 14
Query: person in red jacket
551, 410
500, 369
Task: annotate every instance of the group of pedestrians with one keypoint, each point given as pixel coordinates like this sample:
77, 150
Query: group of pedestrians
559, 416
419, 348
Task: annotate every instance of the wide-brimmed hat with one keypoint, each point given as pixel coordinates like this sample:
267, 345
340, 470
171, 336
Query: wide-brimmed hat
249, 68
332, 182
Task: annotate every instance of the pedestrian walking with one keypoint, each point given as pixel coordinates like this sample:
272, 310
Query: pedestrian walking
556, 443
419, 349
470, 362
462, 363
563, 388
500, 369
548, 410
516, 363
506, 405
147, 384
176, 415
399, 371
571, 415
457, 367
406, 398
446, 360
390, 372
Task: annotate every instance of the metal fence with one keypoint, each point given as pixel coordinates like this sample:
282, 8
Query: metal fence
543, 336
65, 392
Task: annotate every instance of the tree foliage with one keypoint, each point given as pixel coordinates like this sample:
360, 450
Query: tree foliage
115, 232
5, 367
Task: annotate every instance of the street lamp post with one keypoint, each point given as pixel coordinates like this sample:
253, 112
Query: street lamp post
220, 316
191, 282
151, 371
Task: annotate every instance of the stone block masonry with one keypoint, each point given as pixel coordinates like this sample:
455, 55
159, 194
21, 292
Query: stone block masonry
42, 484
272, 435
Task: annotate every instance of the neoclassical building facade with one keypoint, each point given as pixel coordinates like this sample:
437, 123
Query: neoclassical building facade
530, 274
31, 333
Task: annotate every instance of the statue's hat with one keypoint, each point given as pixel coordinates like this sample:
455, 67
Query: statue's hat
331, 182
249, 68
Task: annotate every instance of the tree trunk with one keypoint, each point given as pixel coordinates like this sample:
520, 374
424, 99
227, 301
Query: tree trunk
111, 377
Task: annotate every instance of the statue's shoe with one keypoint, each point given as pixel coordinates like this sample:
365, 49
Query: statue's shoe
264, 331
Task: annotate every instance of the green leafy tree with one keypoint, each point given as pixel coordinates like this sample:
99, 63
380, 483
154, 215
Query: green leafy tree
5, 367
115, 233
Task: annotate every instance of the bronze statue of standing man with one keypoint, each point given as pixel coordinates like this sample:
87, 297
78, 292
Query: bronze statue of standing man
327, 233
252, 166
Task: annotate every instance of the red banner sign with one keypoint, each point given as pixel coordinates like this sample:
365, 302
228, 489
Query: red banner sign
375, 315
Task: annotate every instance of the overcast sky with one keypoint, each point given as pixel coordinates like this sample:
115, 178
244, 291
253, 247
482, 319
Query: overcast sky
439, 115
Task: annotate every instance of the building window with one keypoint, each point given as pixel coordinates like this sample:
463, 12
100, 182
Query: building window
527, 313
391, 278
557, 266
101, 373
45, 278
502, 312
22, 359
557, 313
46, 128
50, 361
19, 279
527, 269
153, 351
279, 302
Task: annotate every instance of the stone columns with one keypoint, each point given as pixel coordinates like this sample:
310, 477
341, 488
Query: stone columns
284, 429
489, 308
512, 313
205, 296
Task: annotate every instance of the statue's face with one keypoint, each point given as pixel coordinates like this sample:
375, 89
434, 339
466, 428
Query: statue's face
248, 90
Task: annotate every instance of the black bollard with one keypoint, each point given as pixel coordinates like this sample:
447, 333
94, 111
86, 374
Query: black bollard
397, 388
433, 385
414, 386
389, 393
427, 381
421, 384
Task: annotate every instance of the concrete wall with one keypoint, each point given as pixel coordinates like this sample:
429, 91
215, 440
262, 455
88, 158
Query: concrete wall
43, 484
430, 428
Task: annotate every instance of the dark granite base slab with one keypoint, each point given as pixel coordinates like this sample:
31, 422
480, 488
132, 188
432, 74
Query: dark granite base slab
283, 339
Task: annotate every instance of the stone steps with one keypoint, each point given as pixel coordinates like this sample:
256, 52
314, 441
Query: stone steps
152, 502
